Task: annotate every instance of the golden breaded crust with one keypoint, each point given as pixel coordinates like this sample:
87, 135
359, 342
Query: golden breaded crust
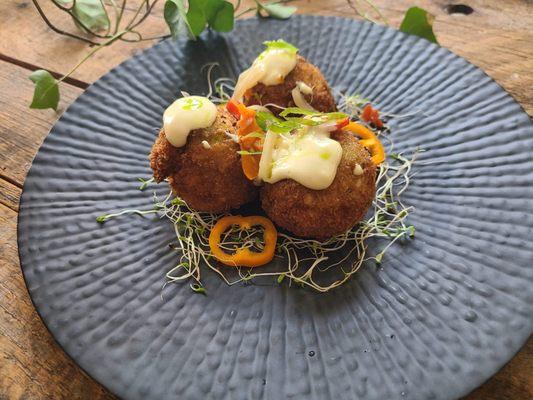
208, 179
321, 214
321, 99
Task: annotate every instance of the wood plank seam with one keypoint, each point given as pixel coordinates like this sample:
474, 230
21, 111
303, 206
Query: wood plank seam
33, 67
13, 182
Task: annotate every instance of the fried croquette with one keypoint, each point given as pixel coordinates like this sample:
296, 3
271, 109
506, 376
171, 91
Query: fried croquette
321, 99
207, 171
321, 214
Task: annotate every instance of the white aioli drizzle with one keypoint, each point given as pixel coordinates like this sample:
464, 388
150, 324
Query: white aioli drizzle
185, 115
270, 68
307, 156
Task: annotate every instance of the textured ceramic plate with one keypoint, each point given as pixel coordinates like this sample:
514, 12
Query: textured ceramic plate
443, 314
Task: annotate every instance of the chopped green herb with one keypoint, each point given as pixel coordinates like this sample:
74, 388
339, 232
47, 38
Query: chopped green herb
280, 44
191, 104
310, 113
264, 119
297, 111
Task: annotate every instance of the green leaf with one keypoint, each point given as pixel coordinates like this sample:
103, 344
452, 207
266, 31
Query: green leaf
176, 18
218, 14
91, 13
224, 18
211, 9
419, 22
280, 44
276, 10
196, 16
46, 93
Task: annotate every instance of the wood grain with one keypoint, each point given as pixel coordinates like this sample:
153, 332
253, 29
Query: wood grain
9, 195
496, 37
22, 130
43, 48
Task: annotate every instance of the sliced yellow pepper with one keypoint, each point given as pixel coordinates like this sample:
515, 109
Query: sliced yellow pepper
244, 257
246, 124
368, 140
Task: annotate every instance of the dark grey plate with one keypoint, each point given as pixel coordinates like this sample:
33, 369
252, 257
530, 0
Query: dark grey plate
443, 314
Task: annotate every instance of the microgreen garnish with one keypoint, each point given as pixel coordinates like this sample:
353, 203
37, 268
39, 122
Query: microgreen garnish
103, 218
305, 262
144, 182
198, 288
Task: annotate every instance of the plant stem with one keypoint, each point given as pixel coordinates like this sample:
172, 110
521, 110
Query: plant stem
57, 30
378, 11
146, 14
245, 12
97, 48
119, 18
136, 14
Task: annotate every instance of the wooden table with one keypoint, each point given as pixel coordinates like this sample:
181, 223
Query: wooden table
497, 37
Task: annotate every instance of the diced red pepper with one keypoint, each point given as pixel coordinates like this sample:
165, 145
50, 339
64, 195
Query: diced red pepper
342, 123
233, 108
371, 115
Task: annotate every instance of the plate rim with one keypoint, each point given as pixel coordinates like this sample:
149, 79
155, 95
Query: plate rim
204, 36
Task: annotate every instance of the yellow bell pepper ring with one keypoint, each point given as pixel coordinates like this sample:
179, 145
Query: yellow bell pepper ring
244, 257
368, 140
